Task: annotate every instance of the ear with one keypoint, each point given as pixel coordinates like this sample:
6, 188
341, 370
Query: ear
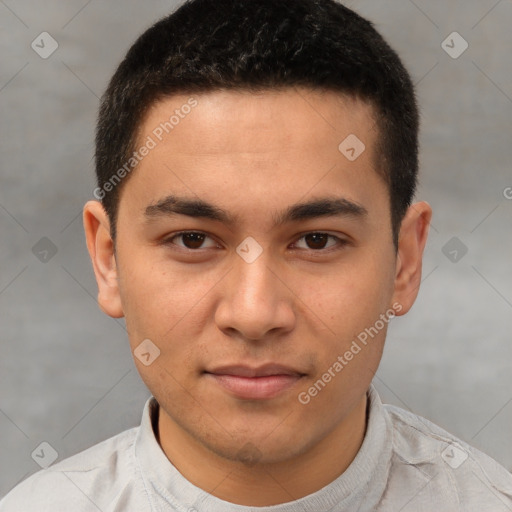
411, 243
101, 251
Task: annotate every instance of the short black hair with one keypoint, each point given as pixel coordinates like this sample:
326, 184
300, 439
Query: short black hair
254, 45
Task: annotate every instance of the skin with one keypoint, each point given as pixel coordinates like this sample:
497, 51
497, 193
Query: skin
298, 304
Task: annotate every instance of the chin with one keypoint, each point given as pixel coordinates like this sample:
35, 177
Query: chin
259, 451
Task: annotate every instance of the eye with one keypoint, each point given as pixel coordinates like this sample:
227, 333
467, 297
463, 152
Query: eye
191, 240
319, 241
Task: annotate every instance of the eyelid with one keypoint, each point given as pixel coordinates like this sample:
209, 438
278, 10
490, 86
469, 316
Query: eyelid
340, 242
168, 240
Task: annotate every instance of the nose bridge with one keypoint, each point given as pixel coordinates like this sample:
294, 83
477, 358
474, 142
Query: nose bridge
256, 282
255, 302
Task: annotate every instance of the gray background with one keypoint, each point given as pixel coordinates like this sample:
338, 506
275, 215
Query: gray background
66, 373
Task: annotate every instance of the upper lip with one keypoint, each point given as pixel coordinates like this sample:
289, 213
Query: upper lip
259, 371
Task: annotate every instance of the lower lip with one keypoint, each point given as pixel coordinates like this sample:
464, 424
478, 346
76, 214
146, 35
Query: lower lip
255, 388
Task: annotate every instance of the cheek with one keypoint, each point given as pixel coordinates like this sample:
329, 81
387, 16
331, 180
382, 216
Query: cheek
351, 297
160, 299
347, 305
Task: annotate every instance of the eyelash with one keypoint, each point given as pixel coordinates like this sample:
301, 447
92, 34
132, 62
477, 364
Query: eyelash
340, 243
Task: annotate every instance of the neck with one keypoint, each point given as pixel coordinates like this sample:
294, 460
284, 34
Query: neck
268, 484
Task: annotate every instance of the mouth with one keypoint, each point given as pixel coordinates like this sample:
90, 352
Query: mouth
255, 383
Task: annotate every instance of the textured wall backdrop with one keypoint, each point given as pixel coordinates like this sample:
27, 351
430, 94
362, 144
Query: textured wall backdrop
66, 373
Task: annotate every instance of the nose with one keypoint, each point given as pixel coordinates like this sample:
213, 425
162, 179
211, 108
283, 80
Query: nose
256, 302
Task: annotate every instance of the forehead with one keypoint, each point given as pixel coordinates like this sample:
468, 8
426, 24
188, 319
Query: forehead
259, 121
241, 147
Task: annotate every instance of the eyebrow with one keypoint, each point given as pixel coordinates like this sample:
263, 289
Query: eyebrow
324, 207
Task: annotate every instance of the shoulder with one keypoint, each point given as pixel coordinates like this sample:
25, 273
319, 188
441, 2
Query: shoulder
87, 479
450, 467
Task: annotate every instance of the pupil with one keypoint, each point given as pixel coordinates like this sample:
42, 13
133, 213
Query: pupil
316, 240
193, 240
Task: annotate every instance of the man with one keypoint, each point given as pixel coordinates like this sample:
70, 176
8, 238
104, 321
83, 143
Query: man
256, 165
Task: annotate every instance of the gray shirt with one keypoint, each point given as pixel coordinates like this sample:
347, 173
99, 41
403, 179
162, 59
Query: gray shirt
405, 463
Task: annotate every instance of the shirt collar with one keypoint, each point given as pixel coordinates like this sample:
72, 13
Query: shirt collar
362, 483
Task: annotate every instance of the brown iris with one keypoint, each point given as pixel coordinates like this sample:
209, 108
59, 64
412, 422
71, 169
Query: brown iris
316, 240
193, 240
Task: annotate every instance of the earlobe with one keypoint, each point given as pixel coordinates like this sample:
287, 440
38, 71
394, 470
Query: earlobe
101, 251
411, 244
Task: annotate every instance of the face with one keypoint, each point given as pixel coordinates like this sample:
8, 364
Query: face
255, 253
